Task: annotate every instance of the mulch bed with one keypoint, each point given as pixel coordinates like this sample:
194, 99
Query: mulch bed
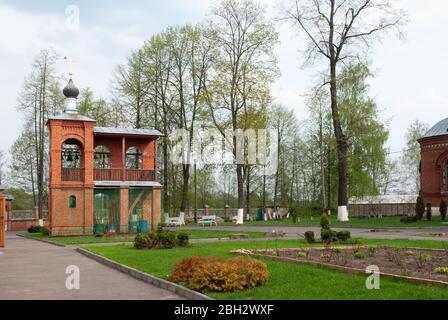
406, 263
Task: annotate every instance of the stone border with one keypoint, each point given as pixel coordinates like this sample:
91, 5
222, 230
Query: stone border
155, 281
41, 240
349, 270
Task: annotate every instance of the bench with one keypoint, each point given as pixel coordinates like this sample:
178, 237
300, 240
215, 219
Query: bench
208, 220
175, 221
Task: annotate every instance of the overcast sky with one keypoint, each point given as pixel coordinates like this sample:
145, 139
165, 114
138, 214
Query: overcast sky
409, 78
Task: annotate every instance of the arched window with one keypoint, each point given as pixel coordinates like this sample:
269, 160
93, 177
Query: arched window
133, 159
102, 158
71, 154
72, 202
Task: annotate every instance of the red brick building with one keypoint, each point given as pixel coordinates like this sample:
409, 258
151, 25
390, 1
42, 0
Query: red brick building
434, 164
100, 177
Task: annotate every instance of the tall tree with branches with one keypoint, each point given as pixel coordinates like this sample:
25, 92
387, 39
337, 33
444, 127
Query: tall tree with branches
243, 69
340, 31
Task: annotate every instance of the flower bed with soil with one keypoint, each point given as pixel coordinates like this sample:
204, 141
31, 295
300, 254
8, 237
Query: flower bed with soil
419, 265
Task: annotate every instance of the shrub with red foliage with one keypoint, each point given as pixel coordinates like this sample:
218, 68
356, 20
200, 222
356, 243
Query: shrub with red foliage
214, 274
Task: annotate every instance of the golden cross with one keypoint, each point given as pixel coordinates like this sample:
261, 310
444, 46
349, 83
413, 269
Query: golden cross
69, 66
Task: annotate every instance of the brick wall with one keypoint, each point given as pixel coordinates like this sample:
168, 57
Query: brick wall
434, 155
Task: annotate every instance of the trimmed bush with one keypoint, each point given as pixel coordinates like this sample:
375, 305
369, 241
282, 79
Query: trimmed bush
359, 256
420, 208
325, 222
213, 274
45, 231
141, 241
443, 209
184, 269
183, 239
309, 237
167, 239
328, 235
34, 229
428, 212
343, 236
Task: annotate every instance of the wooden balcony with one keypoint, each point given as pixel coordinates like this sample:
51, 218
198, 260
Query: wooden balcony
77, 175
124, 175
72, 175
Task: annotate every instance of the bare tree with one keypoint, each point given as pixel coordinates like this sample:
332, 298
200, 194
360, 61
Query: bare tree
2, 165
244, 69
341, 31
39, 99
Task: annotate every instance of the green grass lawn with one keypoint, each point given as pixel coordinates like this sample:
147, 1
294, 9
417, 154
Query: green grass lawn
353, 223
194, 234
287, 281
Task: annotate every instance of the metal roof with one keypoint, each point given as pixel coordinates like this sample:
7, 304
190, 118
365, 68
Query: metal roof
71, 117
128, 131
440, 129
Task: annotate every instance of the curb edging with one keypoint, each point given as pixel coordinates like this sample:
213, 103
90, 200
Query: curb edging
41, 240
155, 281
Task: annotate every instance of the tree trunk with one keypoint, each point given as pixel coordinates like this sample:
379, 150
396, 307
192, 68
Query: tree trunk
186, 178
240, 183
342, 148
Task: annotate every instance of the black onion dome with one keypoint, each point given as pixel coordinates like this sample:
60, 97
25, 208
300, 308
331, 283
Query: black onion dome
71, 91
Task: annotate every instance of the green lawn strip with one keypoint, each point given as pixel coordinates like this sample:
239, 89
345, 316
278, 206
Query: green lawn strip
194, 234
386, 222
287, 280
81, 239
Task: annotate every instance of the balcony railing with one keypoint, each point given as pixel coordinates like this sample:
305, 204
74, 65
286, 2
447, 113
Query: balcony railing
72, 174
124, 175
77, 175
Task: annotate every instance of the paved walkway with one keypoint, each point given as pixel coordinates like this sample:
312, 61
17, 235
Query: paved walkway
295, 232
32, 269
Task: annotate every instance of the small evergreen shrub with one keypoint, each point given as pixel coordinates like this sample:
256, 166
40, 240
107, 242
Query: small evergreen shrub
183, 239
443, 209
359, 256
213, 274
343, 236
167, 239
328, 235
302, 254
372, 250
45, 231
141, 241
309, 237
325, 222
420, 208
34, 229
428, 212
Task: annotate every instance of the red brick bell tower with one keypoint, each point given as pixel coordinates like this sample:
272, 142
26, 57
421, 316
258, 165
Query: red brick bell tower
71, 169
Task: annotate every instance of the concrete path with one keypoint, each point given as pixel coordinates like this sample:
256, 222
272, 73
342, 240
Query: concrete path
32, 269
298, 232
